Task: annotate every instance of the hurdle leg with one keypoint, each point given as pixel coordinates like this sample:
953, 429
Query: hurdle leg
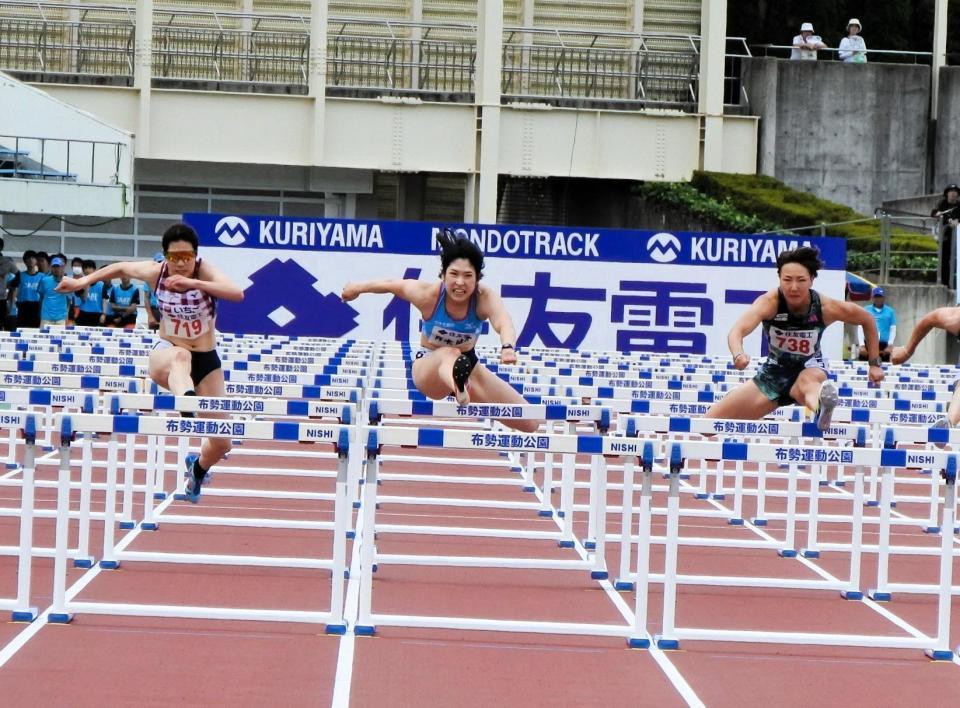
942, 652
568, 472
23, 612
83, 559
737, 518
365, 624
546, 506
667, 638
593, 513
811, 550
856, 538
719, 490
881, 593
932, 526
341, 512
872, 497
109, 560
759, 519
126, 515
58, 609
148, 523
640, 638
704, 472
599, 571
788, 549
626, 526
160, 468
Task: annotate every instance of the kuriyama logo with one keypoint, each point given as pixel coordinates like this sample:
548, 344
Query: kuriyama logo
231, 231
663, 247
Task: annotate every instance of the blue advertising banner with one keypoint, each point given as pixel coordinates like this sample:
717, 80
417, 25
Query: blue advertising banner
565, 287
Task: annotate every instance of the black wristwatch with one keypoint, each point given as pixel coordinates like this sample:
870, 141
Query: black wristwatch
875, 362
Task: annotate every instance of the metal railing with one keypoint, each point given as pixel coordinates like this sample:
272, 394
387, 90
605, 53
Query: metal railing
882, 55
890, 261
271, 51
93, 162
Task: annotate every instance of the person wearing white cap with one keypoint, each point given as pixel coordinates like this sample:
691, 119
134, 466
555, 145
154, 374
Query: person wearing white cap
852, 47
806, 44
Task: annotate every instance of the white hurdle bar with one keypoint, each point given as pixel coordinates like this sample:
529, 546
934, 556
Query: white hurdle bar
62, 610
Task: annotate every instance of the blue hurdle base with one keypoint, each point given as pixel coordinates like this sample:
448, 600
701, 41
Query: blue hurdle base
109, 564
127, 525
599, 575
83, 562
529, 489
758, 522
346, 574
60, 617
623, 585
149, 525
546, 513
931, 529
807, 553
638, 643
364, 630
840, 483
667, 644
336, 629
516, 468
939, 654
720, 496
787, 553
356, 505
12, 465
736, 521
851, 594
159, 496
700, 495
560, 514
877, 596
566, 544
824, 483
872, 502
351, 534
27, 615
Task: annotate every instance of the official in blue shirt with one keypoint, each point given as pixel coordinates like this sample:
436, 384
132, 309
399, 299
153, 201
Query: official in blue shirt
122, 301
886, 320
27, 286
54, 306
90, 301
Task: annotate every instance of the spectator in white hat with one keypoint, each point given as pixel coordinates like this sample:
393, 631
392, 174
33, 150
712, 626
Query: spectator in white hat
852, 47
806, 44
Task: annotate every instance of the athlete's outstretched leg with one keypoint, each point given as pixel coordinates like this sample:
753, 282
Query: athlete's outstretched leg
745, 402
487, 387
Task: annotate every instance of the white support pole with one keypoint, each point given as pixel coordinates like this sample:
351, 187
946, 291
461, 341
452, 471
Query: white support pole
626, 524
640, 633
317, 79
143, 74
148, 523
341, 513
760, 518
667, 639
737, 519
881, 592
856, 538
788, 550
108, 558
367, 556
599, 571
58, 609
488, 76
23, 611
129, 459
939, 53
83, 558
593, 515
811, 550
942, 649
159, 467
713, 44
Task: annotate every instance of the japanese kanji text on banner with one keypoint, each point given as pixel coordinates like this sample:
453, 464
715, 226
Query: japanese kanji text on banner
599, 289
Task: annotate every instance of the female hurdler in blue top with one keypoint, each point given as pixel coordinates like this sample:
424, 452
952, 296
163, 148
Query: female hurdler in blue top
453, 311
793, 317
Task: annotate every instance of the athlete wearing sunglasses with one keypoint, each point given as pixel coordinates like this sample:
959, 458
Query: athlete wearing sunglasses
185, 360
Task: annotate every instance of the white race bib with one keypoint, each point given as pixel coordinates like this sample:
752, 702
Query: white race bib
184, 328
800, 342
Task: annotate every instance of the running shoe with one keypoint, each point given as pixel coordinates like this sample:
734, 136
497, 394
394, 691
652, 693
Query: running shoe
191, 489
828, 401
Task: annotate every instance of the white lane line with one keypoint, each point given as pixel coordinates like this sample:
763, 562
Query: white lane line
670, 671
27, 634
343, 681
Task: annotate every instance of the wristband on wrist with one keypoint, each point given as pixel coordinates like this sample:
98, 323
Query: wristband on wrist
875, 362
737, 356
506, 346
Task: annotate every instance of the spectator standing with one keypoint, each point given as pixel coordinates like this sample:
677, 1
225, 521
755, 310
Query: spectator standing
853, 49
948, 211
6, 268
806, 44
90, 300
26, 285
53, 305
122, 300
886, 319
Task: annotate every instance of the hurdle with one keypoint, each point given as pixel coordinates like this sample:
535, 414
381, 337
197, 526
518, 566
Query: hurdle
937, 647
367, 621
62, 610
20, 608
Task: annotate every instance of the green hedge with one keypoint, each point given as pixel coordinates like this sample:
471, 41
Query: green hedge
770, 201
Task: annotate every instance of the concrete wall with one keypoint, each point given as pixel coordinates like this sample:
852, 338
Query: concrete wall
854, 134
946, 157
912, 302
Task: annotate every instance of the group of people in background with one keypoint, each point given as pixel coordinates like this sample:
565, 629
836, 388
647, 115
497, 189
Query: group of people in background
29, 296
852, 48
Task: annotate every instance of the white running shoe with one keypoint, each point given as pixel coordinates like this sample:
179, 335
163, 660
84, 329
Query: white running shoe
828, 401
